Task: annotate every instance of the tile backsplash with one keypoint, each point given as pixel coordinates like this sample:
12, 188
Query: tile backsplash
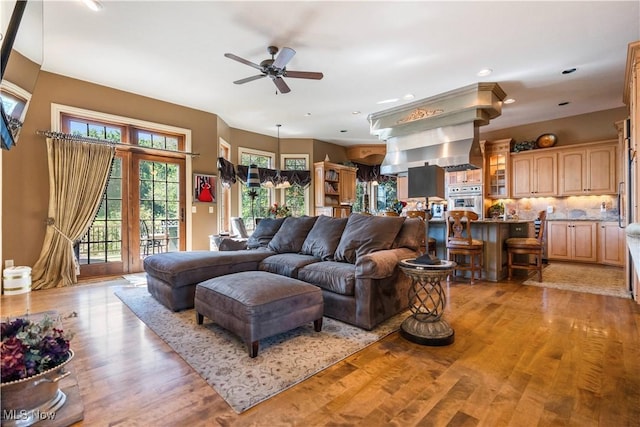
599, 208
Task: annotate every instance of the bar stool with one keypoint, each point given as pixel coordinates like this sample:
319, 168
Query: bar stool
422, 215
527, 246
461, 245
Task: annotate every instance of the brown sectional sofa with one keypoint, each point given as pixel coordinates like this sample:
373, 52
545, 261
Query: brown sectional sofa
353, 261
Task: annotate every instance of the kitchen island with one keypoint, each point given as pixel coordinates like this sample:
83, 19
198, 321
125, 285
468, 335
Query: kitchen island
493, 233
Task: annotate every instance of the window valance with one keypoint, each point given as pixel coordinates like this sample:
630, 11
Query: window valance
228, 174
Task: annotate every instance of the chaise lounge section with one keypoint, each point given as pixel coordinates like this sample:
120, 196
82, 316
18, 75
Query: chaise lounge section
353, 261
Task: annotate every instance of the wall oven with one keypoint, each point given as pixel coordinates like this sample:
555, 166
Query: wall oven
466, 197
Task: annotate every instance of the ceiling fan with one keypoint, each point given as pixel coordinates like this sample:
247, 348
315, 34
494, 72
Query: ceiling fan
275, 68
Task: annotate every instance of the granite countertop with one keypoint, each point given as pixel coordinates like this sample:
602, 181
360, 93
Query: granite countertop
584, 219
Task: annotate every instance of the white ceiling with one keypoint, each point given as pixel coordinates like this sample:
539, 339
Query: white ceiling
368, 52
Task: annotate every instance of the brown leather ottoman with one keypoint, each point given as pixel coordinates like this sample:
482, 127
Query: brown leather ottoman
257, 304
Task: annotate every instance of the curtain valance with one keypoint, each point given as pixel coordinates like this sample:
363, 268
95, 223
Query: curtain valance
228, 174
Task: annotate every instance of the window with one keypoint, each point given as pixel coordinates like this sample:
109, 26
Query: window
142, 210
258, 205
386, 194
224, 200
296, 198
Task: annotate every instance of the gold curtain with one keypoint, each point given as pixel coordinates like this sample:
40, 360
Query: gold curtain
78, 175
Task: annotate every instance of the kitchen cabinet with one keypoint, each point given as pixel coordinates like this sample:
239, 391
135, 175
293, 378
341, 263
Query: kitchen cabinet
572, 240
473, 176
497, 168
589, 170
347, 186
334, 186
611, 244
534, 174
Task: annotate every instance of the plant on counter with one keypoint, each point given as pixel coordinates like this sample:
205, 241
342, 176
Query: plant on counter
29, 348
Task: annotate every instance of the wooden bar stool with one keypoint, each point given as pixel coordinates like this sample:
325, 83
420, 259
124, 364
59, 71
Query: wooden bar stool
527, 246
431, 241
461, 245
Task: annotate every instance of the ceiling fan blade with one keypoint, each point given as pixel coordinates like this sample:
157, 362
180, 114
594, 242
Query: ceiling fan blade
249, 79
303, 75
281, 85
284, 56
242, 60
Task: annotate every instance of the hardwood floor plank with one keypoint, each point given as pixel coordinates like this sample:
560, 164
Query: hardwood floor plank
522, 356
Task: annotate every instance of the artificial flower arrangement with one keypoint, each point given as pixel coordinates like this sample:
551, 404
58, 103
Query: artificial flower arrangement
277, 211
29, 348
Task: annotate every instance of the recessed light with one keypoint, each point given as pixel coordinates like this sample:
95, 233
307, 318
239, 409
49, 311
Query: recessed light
355, 113
562, 104
408, 97
569, 70
307, 114
509, 101
388, 101
343, 131
485, 72
94, 5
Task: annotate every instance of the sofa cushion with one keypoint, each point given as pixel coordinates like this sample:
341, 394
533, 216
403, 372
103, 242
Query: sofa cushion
292, 234
286, 264
180, 269
365, 234
337, 277
264, 232
324, 237
411, 235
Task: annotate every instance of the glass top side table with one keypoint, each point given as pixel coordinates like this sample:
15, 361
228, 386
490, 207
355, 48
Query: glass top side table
427, 301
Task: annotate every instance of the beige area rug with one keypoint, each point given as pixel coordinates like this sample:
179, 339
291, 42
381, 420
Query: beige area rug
222, 359
582, 278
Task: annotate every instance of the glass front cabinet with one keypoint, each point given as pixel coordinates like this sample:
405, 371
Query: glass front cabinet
496, 155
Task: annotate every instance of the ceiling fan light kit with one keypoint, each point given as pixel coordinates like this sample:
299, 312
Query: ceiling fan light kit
275, 68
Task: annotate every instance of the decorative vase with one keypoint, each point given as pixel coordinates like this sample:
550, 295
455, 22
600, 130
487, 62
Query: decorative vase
24, 401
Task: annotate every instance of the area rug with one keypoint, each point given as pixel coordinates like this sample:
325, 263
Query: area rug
222, 359
582, 278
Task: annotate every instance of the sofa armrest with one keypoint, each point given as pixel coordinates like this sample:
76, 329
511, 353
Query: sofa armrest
232, 244
381, 264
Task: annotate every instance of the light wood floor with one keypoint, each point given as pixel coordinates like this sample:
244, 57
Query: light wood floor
523, 356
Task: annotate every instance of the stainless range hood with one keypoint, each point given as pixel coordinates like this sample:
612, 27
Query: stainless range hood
456, 148
441, 130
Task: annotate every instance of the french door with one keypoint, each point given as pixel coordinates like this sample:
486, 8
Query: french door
142, 210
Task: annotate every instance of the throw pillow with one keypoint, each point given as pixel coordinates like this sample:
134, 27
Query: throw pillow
264, 232
324, 237
411, 235
292, 234
365, 234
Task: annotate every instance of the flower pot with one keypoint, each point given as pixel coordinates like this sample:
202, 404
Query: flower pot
24, 401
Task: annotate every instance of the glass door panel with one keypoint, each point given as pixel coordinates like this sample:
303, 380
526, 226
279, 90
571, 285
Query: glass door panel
160, 207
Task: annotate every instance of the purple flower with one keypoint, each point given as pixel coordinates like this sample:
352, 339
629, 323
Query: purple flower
29, 348
12, 362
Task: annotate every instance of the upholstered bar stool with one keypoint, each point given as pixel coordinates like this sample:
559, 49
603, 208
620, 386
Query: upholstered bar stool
422, 215
529, 246
461, 245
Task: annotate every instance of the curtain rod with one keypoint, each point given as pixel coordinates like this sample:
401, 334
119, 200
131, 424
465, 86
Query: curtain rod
70, 137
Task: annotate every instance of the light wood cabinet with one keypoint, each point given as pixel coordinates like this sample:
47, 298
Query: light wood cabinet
572, 240
611, 244
534, 174
588, 171
473, 176
334, 186
497, 168
347, 186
